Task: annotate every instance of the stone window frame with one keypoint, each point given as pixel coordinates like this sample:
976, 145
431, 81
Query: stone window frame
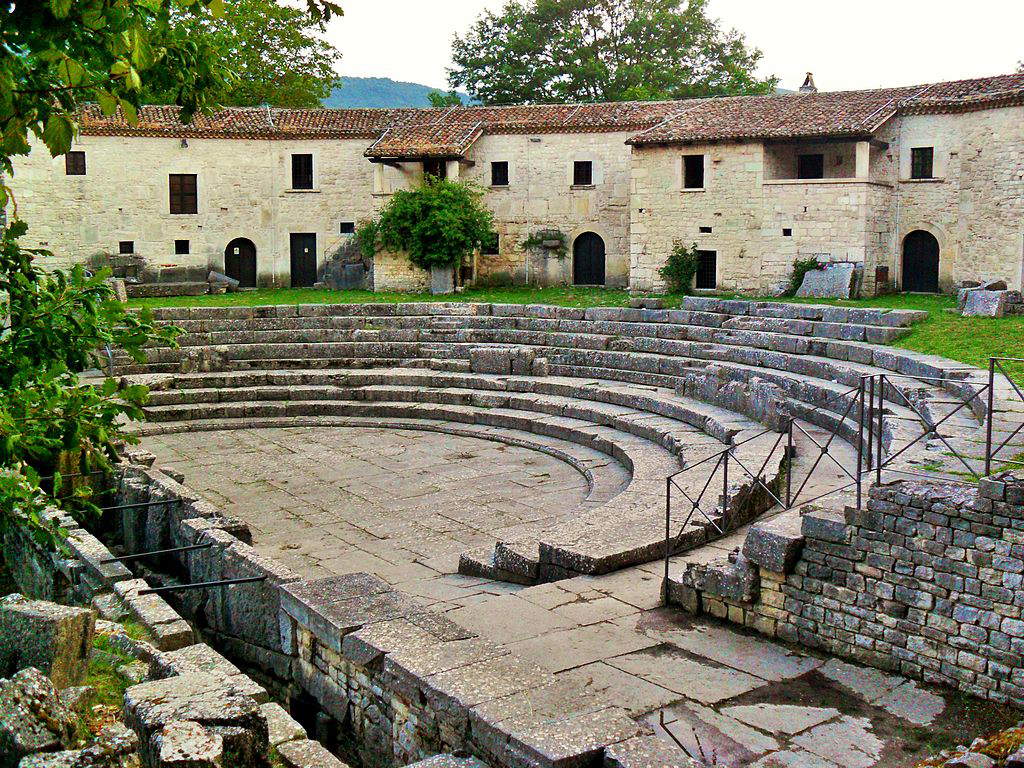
577, 180
74, 163
683, 161
508, 174
297, 171
918, 156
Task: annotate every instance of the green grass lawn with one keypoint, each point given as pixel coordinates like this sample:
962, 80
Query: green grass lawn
971, 340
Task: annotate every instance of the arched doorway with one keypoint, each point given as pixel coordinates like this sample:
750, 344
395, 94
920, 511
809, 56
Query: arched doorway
920, 262
240, 261
588, 260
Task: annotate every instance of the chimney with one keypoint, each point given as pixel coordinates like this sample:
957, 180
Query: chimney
809, 86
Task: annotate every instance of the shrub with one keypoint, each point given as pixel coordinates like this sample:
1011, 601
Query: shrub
681, 267
800, 268
552, 236
438, 224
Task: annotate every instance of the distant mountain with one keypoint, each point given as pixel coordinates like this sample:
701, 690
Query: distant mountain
356, 92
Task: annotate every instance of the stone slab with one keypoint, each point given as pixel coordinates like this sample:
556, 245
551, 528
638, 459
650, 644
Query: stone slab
835, 281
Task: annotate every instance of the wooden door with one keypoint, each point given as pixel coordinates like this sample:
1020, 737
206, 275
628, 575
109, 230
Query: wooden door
920, 262
303, 253
240, 262
588, 260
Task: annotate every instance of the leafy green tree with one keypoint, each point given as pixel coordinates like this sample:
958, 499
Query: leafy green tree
437, 224
272, 49
551, 51
55, 56
439, 100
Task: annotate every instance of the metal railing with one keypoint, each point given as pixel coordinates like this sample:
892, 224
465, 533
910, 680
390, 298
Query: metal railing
876, 442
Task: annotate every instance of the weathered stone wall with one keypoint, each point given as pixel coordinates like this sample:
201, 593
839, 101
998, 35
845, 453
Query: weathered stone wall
974, 206
540, 195
926, 581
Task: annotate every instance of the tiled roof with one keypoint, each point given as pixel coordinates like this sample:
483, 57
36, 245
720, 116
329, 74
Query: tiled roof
450, 132
831, 114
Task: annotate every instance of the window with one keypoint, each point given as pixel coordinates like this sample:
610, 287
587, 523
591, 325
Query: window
302, 171
183, 193
499, 174
582, 173
693, 171
922, 162
347, 228
126, 247
181, 247
787, 232
74, 164
704, 230
707, 270
435, 167
810, 166
490, 246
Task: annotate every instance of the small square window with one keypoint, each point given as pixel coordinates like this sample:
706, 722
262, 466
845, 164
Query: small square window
499, 174
693, 171
347, 228
787, 232
74, 164
810, 166
126, 247
491, 245
302, 171
582, 173
922, 162
704, 230
181, 248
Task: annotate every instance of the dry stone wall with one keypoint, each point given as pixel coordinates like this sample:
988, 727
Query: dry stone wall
925, 581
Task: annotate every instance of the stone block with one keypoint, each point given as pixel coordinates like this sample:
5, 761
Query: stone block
442, 280
55, 639
982, 303
736, 582
151, 707
825, 525
202, 659
187, 745
835, 281
281, 727
307, 754
32, 717
775, 545
494, 360
647, 752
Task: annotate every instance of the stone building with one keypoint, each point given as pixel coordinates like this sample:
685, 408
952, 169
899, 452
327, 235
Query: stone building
920, 187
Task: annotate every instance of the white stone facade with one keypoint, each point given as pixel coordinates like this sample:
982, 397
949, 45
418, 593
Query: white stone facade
762, 219
751, 212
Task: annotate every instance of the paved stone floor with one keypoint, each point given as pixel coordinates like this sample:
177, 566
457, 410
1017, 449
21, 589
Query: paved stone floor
403, 504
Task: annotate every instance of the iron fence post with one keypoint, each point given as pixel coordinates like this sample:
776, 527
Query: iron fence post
789, 464
725, 482
990, 415
870, 395
860, 441
668, 537
881, 407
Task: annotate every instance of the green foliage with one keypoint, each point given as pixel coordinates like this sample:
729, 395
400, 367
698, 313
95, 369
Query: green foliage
439, 100
539, 239
681, 268
553, 51
367, 238
56, 55
800, 268
371, 92
50, 422
438, 224
272, 50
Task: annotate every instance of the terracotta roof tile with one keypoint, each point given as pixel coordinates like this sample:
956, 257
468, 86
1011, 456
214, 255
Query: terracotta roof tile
450, 132
838, 113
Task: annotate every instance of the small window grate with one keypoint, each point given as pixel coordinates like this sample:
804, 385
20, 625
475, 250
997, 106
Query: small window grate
74, 164
704, 230
347, 228
787, 232
126, 247
181, 247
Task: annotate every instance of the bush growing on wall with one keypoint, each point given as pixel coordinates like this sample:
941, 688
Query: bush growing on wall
681, 268
800, 268
438, 224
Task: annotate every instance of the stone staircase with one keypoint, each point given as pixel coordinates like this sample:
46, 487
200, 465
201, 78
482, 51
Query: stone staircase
657, 390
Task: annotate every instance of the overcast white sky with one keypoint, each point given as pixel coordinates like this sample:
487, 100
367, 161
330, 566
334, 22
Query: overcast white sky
859, 44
